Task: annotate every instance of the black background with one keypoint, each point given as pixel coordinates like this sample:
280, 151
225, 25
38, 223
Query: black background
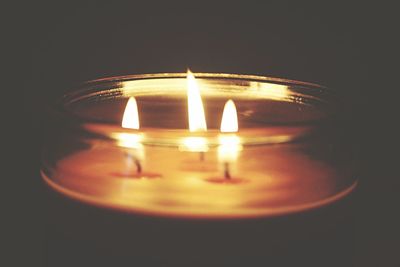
50, 47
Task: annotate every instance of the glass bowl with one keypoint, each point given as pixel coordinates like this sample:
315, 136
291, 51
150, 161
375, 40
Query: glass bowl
290, 152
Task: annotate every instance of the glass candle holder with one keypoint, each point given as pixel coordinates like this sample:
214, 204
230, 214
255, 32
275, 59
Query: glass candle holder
287, 152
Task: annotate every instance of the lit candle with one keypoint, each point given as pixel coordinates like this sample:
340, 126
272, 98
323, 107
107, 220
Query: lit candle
196, 118
258, 179
229, 144
121, 131
130, 120
132, 142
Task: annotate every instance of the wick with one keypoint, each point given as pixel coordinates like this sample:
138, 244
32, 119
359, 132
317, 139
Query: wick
202, 156
227, 174
138, 166
136, 161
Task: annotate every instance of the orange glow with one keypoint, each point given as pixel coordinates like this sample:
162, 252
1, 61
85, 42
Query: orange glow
131, 115
197, 120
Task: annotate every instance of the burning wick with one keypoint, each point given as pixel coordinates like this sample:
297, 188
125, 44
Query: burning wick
139, 170
197, 120
229, 124
229, 147
130, 120
227, 174
136, 162
131, 141
132, 159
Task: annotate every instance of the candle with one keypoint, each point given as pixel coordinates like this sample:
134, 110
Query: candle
229, 144
258, 170
132, 142
198, 170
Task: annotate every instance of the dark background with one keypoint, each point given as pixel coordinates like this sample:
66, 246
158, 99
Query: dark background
51, 47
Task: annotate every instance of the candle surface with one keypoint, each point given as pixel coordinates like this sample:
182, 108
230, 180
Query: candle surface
276, 180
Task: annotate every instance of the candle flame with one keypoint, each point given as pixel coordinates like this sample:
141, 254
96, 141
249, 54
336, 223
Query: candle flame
197, 120
229, 143
131, 115
229, 123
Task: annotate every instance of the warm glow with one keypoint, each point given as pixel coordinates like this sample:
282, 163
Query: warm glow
128, 140
131, 116
194, 144
229, 123
229, 143
197, 120
269, 90
132, 141
229, 148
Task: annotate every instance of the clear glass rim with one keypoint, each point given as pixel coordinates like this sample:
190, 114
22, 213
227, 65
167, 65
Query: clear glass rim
92, 87
205, 75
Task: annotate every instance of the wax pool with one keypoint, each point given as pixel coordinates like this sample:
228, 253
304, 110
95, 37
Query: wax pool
273, 180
